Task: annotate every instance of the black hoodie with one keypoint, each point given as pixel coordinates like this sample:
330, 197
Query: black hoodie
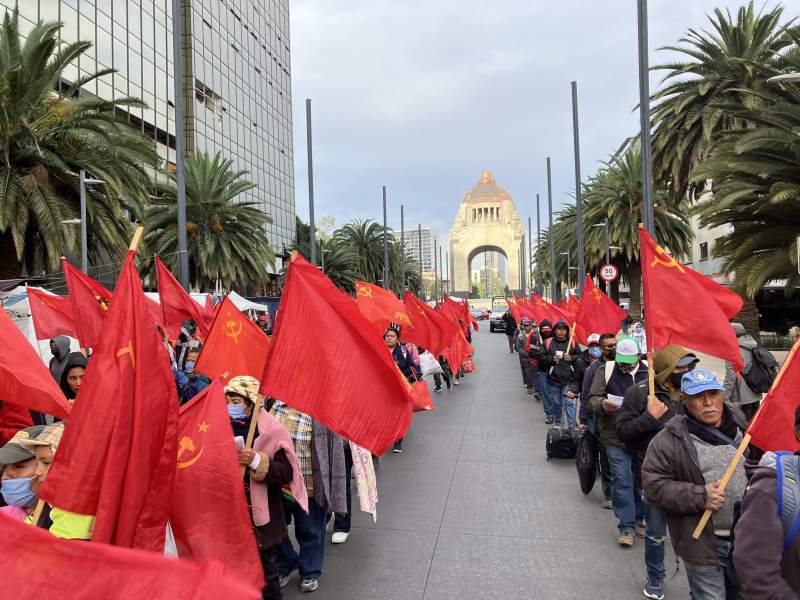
563, 371
75, 359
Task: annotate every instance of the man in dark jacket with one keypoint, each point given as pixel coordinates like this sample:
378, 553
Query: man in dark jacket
511, 330
520, 342
558, 355
605, 398
535, 348
59, 348
638, 421
681, 472
767, 566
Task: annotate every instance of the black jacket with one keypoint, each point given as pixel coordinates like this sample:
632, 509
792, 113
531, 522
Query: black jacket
563, 371
618, 385
511, 324
636, 427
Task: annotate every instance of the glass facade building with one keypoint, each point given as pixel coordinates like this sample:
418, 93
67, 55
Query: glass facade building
238, 81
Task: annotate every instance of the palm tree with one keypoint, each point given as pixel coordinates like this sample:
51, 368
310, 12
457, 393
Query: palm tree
364, 239
755, 176
735, 56
615, 193
46, 138
226, 238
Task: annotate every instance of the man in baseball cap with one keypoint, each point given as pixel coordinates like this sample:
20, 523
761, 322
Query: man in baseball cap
19, 468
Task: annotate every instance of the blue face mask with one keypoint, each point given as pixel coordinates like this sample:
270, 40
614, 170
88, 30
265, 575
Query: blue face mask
236, 411
18, 492
189, 365
595, 352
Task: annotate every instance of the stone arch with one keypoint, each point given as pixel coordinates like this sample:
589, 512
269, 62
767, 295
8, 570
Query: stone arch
490, 248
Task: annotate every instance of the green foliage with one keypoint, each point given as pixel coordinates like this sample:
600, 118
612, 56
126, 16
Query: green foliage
226, 238
47, 137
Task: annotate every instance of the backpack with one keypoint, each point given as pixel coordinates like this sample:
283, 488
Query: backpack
787, 466
761, 371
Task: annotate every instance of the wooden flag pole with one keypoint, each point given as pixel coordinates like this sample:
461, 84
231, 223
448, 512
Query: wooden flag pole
571, 336
37, 512
723, 483
651, 374
137, 237
251, 433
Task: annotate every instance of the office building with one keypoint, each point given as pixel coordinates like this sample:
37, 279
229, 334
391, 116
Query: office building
237, 81
428, 249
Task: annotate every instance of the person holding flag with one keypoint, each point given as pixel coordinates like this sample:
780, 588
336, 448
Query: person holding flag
404, 361
558, 357
18, 470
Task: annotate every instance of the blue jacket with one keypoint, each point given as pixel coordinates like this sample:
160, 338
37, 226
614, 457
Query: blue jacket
405, 362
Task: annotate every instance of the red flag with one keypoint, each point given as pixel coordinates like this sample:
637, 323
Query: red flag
116, 459
573, 306
351, 383
234, 346
684, 307
79, 570
424, 334
772, 428
443, 330
597, 313
381, 308
24, 379
209, 514
52, 315
90, 301
177, 305
457, 352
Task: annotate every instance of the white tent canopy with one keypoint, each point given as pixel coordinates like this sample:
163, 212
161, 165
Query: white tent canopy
244, 304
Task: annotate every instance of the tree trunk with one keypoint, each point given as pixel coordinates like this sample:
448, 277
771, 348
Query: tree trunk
10, 267
748, 317
635, 283
615, 290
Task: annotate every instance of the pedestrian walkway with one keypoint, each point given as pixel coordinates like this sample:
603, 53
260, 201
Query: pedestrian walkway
472, 510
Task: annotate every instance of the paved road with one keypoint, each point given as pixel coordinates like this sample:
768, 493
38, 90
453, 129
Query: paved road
472, 510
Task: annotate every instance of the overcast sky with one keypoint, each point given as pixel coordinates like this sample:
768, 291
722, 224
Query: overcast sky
424, 95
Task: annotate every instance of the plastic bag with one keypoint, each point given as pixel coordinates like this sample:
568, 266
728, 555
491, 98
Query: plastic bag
429, 365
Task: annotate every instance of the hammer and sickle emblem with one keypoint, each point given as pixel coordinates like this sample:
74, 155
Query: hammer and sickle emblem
668, 261
129, 351
596, 295
232, 331
402, 317
365, 291
187, 445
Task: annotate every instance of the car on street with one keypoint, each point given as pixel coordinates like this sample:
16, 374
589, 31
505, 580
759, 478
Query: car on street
496, 322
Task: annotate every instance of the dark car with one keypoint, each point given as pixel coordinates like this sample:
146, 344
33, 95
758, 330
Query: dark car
496, 322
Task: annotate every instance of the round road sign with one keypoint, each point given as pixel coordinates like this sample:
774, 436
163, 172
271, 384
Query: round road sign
609, 272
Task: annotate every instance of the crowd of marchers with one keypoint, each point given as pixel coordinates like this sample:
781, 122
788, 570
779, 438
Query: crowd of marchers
661, 457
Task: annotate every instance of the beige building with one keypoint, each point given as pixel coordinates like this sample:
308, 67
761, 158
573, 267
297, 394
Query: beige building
487, 220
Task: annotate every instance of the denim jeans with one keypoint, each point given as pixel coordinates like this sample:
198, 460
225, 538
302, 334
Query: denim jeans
309, 529
625, 497
342, 522
557, 403
524, 364
544, 391
654, 541
715, 582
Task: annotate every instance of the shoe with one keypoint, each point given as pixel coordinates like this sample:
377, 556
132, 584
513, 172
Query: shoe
449, 386
437, 389
455, 382
654, 588
640, 531
339, 537
398, 448
283, 580
548, 421
537, 397
625, 539
530, 391
607, 504
309, 585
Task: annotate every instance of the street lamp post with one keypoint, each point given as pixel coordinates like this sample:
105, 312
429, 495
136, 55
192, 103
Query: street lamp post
180, 141
644, 118
402, 250
322, 254
530, 256
419, 242
84, 224
550, 233
385, 245
569, 267
538, 235
604, 225
578, 207
312, 229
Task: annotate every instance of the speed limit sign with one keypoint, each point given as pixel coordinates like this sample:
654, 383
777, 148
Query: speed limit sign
609, 273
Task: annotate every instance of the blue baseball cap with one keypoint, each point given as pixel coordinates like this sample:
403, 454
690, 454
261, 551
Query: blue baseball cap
699, 381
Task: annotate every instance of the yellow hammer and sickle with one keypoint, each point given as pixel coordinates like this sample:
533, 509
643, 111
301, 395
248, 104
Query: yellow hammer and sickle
596, 295
187, 444
232, 331
365, 291
402, 317
129, 351
669, 263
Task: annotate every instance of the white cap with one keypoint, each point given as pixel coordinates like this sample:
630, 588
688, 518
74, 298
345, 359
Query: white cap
593, 339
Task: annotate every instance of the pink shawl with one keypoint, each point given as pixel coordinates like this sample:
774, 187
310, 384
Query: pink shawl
272, 436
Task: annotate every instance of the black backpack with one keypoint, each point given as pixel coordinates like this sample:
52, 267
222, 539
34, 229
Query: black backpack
761, 371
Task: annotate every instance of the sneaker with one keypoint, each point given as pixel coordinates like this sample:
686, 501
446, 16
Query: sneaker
537, 396
398, 448
340, 537
456, 382
607, 504
548, 421
283, 580
640, 531
654, 588
530, 391
309, 585
437, 389
625, 539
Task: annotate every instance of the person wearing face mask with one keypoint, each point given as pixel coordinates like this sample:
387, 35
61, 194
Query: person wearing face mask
521, 339
188, 381
72, 375
558, 356
18, 467
535, 346
681, 474
59, 348
640, 418
605, 398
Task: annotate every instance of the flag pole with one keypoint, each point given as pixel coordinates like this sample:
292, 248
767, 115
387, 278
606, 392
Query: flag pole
251, 433
137, 237
723, 483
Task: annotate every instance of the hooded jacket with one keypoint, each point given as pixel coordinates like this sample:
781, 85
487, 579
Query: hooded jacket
75, 359
736, 389
618, 385
764, 567
637, 427
560, 372
57, 364
536, 349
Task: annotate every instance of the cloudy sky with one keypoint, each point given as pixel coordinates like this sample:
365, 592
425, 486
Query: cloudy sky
424, 95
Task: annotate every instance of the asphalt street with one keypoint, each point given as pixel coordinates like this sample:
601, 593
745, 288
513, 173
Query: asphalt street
473, 510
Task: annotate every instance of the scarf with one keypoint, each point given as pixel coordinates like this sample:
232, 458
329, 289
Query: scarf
329, 474
728, 428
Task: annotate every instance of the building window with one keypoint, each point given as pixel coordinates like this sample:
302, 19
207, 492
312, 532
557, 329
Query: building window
704, 251
208, 98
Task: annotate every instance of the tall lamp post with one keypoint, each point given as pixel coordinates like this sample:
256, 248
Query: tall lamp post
550, 233
180, 142
312, 229
83, 222
578, 207
385, 245
538, 237
644, 117
402, 251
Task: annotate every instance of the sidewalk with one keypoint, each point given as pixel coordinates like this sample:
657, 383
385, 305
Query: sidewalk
472, 510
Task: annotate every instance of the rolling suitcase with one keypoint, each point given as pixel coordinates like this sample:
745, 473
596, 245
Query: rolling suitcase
561, 442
